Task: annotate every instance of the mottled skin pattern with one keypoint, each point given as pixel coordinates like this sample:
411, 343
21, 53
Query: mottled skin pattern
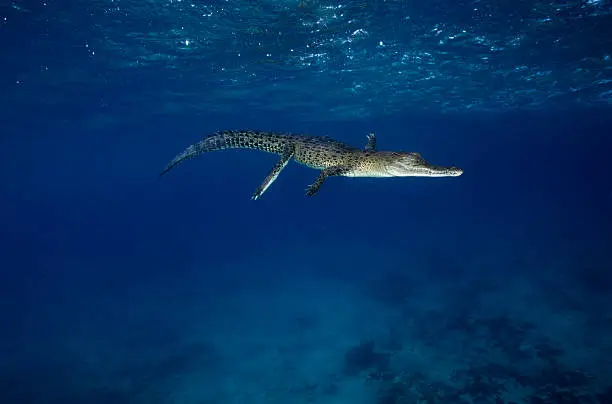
332, 157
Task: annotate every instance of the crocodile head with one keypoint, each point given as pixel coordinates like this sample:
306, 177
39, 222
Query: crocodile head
414, 165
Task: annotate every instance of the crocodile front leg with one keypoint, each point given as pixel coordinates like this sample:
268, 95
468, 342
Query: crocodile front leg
328, 172
371, 145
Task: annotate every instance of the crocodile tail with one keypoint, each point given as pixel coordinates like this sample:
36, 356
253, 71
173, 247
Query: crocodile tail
232, 139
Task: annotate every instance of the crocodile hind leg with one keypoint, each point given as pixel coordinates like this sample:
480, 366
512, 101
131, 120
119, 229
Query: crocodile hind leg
288, 152
328, 172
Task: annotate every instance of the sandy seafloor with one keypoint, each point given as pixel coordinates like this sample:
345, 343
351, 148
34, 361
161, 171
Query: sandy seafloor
301, 327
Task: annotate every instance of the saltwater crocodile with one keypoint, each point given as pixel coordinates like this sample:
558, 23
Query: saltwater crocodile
332, 157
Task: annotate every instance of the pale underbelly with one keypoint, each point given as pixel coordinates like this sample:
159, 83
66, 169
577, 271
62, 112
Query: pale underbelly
368, 174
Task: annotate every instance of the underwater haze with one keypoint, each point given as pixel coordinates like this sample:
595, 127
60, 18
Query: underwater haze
117, 286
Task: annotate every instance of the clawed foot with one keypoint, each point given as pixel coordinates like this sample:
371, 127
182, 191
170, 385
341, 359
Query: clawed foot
311, 190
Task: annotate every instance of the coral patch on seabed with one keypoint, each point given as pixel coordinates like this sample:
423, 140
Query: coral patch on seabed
478, 353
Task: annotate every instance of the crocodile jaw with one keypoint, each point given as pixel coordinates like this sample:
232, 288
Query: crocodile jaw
407, 171
413, 165
429, 170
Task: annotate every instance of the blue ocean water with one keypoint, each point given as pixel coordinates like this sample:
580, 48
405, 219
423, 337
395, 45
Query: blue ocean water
120, 287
